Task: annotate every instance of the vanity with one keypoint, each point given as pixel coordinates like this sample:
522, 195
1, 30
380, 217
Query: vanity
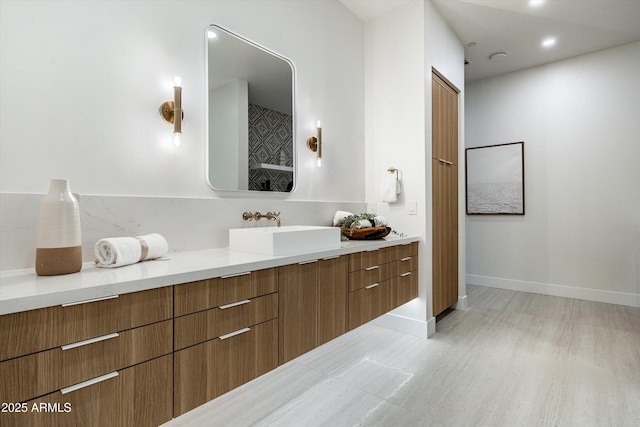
141, 344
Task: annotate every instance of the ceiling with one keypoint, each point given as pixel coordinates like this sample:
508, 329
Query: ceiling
518, 29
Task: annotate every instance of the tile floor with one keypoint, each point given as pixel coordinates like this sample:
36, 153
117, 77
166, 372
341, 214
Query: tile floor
511, 359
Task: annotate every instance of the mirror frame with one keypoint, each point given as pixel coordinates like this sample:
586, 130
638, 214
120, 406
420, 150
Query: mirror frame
251, 193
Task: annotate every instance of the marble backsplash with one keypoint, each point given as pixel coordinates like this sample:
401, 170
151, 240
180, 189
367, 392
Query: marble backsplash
187, 223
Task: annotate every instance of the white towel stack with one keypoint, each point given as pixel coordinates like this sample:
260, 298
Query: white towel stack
119, 251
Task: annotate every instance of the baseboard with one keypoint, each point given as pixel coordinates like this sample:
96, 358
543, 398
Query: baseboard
418, 328
461, 304
597, 295
431, 326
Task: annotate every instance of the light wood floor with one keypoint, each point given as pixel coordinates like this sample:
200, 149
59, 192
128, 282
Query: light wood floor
511, 359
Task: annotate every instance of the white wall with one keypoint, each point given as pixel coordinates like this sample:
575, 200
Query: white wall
400, 49
81, 82
579, 119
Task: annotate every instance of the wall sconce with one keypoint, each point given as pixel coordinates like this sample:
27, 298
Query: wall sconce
171, 111
314, 143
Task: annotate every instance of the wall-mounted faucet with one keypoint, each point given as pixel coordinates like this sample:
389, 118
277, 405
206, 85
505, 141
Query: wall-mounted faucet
248, 216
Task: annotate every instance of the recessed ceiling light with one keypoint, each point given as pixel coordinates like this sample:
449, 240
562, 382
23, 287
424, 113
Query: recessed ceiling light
536, 3
498, 56
549, 42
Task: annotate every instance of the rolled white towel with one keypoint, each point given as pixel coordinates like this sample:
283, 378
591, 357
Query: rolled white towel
119, 251
339, 216
380, 221
363, 223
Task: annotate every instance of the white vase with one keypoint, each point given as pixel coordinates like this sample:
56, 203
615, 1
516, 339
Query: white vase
59, 243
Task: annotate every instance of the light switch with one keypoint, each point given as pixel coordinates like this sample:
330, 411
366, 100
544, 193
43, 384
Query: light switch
413, 207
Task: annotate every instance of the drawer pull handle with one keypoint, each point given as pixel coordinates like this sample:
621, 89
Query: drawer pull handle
308, 262
405, 274
235, 275
86, 301
89, 341
446, 162
88, 383
406, 259
234, 304
233, 334
372, 286
372, 268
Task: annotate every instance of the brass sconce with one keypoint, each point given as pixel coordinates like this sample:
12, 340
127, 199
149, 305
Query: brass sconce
314, 143
171, 111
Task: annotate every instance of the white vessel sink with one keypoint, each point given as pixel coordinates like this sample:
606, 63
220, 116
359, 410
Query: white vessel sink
285, 240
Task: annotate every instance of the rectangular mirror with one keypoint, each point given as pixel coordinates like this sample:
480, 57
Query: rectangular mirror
250, 115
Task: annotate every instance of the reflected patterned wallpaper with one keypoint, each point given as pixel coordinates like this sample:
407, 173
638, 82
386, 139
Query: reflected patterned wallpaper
271, 142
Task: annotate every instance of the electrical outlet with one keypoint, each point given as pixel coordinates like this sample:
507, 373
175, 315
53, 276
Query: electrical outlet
372, 207
413, 207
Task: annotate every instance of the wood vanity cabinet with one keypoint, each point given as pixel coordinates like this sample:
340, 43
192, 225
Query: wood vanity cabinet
94, 363
141, 358
313, 305
225, 334
380, 281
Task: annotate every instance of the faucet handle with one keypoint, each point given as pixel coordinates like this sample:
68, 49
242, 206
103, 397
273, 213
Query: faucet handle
247, 216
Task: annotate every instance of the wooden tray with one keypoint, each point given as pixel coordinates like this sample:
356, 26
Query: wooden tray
369, 233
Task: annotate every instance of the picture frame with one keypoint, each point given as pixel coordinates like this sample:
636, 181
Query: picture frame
495, 179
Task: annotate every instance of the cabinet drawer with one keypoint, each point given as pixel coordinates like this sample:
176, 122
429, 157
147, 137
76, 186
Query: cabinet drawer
404, 288
405, 264
46, 328
136, 396
205, 371
368, 276
241, 358
363, 260
403, 251
205, 325
205, 294
40, 373
368, 303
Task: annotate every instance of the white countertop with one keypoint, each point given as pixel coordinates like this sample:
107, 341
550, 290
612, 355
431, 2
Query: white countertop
22, 290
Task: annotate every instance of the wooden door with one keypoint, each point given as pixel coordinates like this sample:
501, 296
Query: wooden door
298, 309
333, 277
444, 194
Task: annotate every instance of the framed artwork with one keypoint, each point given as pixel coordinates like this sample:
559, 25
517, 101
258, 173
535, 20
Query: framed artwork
495, 179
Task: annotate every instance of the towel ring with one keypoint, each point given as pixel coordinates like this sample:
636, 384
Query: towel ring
394, 170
